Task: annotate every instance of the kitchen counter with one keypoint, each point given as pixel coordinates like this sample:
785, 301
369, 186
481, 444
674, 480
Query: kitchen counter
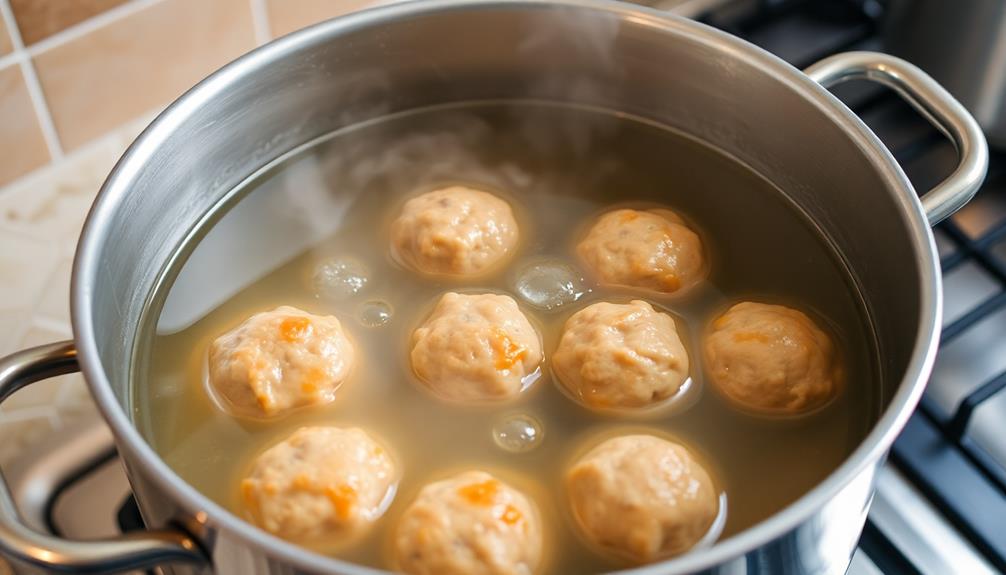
40, 219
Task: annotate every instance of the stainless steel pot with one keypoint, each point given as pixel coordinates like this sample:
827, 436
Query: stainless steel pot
781, 122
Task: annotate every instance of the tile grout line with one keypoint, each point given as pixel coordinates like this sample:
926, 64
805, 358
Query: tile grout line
22, 55
11, 24
89, 25
12, 58
260, 21
89, 147
38, 102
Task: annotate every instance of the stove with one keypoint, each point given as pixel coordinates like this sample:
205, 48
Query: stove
940, 505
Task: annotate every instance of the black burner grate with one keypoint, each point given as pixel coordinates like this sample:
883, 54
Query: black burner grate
936, 451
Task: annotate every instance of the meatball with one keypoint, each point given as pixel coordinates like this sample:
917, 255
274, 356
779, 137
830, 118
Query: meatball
471, 523
476, 348
279, 360
620, 356
320, 484
771, 359
454, 231
651, 249
642, 497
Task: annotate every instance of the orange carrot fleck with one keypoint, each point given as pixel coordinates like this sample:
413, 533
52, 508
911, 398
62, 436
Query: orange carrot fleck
312, 380
343, 499
511, 516
480, 493
294, 328
508, 353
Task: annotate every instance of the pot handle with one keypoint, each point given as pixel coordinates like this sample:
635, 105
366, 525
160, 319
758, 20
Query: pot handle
932, 101
18, 542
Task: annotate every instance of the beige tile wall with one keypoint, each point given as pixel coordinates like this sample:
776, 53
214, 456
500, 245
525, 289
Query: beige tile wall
139, 62
5, 45
74, 70
285, 16
39, 19
22, 146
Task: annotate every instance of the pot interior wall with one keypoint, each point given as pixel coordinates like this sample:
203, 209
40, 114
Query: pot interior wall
369, 65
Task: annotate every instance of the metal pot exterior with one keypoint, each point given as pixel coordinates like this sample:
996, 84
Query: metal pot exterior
371, 64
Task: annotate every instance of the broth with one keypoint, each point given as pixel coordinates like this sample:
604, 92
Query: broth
559, 166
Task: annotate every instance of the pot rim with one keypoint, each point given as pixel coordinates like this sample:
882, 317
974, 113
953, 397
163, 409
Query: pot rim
872, 449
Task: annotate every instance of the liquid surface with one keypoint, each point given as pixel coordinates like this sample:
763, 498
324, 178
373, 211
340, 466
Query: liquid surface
312, 233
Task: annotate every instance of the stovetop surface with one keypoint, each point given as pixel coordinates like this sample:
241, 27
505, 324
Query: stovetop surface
941, 502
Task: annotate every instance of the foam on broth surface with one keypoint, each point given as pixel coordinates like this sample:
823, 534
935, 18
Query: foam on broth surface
559, 166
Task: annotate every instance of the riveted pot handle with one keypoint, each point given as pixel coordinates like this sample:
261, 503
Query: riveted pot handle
22, 544
933, 102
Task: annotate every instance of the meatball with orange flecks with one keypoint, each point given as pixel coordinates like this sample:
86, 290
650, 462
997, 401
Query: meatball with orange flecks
772, 359
279, 360
642, 497
620, 356
471, 523
476, 348
456, 231
321, 484
649, 249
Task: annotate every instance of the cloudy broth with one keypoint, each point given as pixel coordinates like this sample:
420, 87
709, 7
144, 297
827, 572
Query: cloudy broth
559, 167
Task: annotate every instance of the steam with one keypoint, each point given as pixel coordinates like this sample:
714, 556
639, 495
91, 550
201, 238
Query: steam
572, 57
588, 35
